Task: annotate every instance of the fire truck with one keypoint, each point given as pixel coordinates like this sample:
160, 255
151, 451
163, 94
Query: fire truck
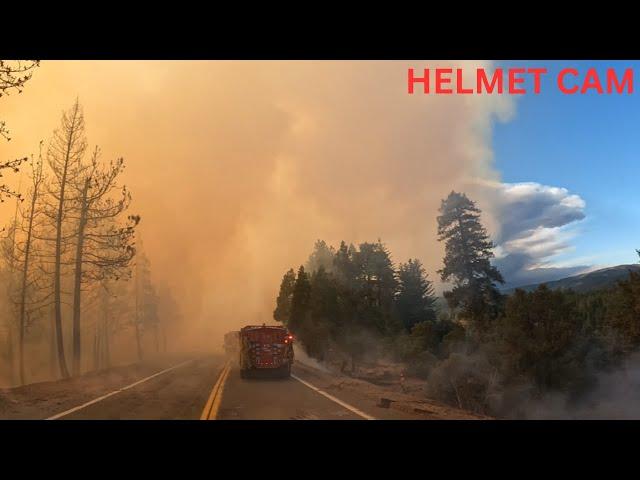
265, 350
231, 343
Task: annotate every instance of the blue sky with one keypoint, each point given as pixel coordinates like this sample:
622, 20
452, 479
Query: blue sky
588, 144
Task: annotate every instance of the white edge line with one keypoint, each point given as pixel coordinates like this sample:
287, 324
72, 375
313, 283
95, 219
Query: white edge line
99, 399
334, 399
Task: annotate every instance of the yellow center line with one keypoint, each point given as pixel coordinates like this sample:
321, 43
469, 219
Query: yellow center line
212, 406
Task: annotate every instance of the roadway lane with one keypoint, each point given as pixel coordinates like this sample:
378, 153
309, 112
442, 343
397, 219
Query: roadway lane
176, 395
211, 388
307, 395
276, 399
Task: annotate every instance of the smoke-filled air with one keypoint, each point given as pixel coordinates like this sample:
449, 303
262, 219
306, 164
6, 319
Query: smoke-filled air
236, 168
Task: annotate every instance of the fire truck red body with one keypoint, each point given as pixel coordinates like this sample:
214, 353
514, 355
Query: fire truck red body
265, 349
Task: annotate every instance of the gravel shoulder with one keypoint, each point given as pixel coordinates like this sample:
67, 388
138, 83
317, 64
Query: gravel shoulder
387, 401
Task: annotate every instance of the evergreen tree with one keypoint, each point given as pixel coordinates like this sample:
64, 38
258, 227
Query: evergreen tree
322, 256
376, 286
282, 312
300, 301
415, 299
344, 266
324, 304
467, 265
624, 314
324, 314
540, 334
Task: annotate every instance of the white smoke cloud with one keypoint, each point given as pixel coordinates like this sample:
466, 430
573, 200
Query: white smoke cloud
535, 224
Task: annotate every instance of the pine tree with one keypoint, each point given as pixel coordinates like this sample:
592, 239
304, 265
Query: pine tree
375, 274
282, 313
467, 265
322, 256
65, 157
324, 297
104, 246
300, 300
344, 267
415, 299
624, 314
324, 314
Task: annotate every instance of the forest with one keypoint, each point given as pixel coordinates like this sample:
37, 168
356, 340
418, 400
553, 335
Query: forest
477, 348
75, 282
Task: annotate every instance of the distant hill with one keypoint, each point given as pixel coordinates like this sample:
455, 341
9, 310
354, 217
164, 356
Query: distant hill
586, 282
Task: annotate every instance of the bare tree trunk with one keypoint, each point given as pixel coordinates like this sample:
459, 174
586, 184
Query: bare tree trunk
70, 147
139, 342
12, 269
78, 282
105, 327
96, 357
52, 347
137, 315
21, 346
156, 334
107, 350
102, 360
62, 363
10, 354
164, 339
23, 290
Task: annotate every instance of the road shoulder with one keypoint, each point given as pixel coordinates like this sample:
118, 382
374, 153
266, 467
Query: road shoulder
46, 399
378, 401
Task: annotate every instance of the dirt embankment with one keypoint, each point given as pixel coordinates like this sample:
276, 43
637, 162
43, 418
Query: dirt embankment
386, 386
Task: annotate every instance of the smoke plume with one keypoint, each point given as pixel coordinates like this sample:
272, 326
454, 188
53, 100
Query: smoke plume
238, 167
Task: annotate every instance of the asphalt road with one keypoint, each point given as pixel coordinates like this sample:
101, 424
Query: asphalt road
184, 392
276, 399
210, 388
304, 396
179, 394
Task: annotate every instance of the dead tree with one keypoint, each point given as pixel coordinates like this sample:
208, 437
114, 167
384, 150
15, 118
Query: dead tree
65, 157
31, 290
8, 308
110, 294
142, 289
104, 245
168, 313
14, 166
37, 178
13, 76
9, 253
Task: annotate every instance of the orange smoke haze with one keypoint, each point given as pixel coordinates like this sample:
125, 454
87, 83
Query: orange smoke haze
238, 167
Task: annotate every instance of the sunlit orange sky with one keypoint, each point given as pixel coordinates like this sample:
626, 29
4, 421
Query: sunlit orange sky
238, 167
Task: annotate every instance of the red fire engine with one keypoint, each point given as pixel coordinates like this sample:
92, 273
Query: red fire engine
265, 349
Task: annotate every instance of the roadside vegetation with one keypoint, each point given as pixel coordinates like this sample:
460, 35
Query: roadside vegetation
477, 349
75, 284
